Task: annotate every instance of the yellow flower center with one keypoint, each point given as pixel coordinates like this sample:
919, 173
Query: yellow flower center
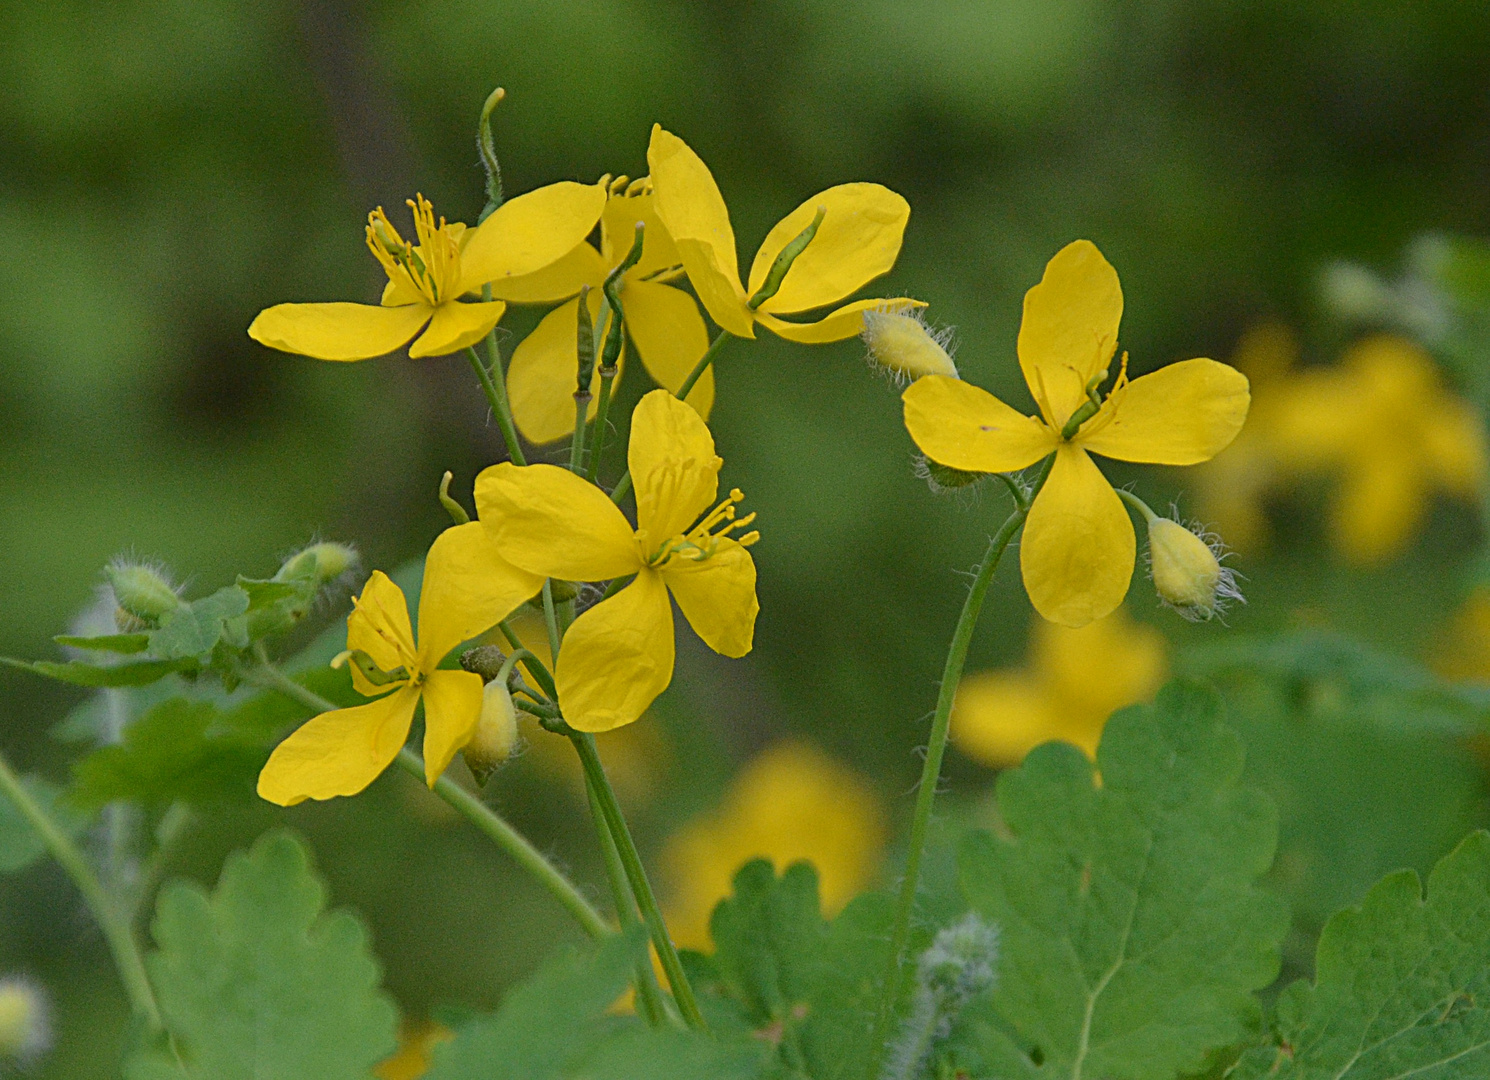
701, 541
431, 267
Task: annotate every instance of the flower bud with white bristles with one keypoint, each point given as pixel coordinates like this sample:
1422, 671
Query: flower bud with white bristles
25, 1021
900, 342
1187, 571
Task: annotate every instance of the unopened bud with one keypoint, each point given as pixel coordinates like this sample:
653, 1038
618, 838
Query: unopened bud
483, 660
25, 1027
943, 478
141, 591
899, 341
321, 563
1187, 574
496, 732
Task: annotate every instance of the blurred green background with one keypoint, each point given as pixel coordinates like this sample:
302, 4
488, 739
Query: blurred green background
169, 167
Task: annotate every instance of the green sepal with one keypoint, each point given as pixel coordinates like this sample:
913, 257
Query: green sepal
125, 644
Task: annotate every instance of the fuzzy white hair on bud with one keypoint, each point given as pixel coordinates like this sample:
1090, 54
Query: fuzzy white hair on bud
1187, 568
901, 344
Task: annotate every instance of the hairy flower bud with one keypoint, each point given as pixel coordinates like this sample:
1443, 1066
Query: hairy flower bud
142, 591
899, 341
1187, 574
496, 732
323, 563
25, 1027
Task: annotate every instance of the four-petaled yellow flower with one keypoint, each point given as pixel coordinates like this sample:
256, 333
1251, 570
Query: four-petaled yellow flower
1072, 682
663, 322
1078, 548
467, 588
428, 279
618, 655
857, 241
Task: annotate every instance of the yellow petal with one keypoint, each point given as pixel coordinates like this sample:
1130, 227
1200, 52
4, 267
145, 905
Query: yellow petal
400, 291
846, 322
340, 752
670, 337
456, 326
1070, 328
1000, 716
965, 427
617, 657
1453, 438
379, 626
467, 588
858, 240
691, 208
1130, 655
549, 521
1078, 546
618, 233
338, 331
1182, 414
557, 281
673, 465
452, 705
529, 232
717, 596
1381, 500
543, 374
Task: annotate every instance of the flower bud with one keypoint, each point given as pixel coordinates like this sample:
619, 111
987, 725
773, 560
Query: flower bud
900, 342
943, 478
321, 563
496, 732
25, 1028
141, 591
1186, 572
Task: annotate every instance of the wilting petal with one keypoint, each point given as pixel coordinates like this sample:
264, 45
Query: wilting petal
858, 240
670, 337
452, 706
550, 521
965, 427
618, 233
1000, 716
673, 465
379, 626
1078, 547
558, 281
456, 326
467, 588
693, 211
338, 331
528, 233
846, 322
717, 596
339, 752
1070, 328
1182, 414
543, 374
617, 657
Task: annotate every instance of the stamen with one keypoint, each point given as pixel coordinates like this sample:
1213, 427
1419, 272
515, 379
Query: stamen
639, 186
432, 266
702, 541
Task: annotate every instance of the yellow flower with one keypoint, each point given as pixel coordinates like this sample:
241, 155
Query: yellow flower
1464, 646
857, 241
1078, 548
427, 279
1072, 683
1384, 422
467, 588
618, 655
790, 803
415, 1044
663, 322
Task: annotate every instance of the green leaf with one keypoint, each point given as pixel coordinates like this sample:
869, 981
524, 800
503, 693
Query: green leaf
1403, 986
258, 982
545, 1026
139, 673
20, 844
116, 643
178, 750
1132, 931
643, 1054
193, 631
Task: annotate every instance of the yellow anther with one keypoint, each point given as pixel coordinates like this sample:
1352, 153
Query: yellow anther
618, 185
431, 267
640, 186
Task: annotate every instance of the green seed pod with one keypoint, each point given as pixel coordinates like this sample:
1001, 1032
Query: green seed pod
141, 591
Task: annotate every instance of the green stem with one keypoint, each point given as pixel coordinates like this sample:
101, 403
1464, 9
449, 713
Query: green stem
532, 663
602, 418
467, 805
116, 928
710, 354
936, 748
584, 744
1138, 504
551, 620
577, 443
496, 395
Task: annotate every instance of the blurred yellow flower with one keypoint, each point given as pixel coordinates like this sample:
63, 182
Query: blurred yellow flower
791, 802
1464, 650
618, 655
857, 241
1385, 424
467, 588
663, 322
427, 279
415, 1044
1071, 683
1078, 548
